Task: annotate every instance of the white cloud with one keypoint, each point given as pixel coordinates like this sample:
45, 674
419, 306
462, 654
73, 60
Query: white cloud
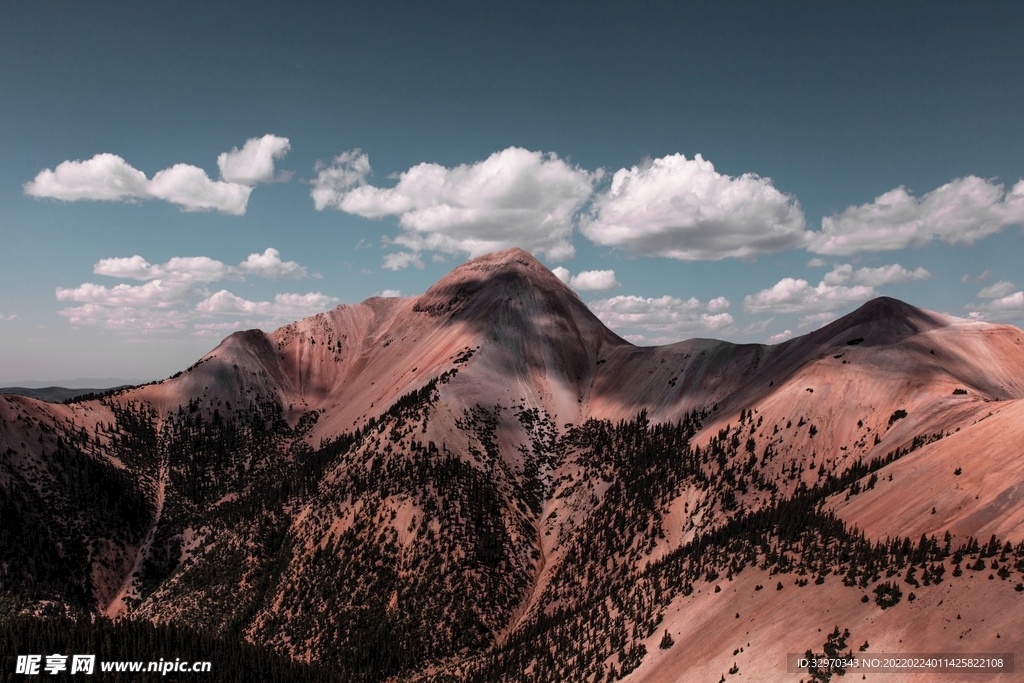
964, 210
269, 265
594, 281
284, 306
683, 209
11, 316
254, 163
391, 293
153, 294
1002, 307
996, 291
225, 302
402, 259
781, 336
515, 197
108, 177
873, 277
200, 268
789, 295
718, 304
133, 268
163, 302
840, 288
190, 188
677, 317
561, 273
347, 171
104, 177
816, 263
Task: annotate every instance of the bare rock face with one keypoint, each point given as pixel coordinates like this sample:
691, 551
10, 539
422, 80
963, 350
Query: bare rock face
485, 483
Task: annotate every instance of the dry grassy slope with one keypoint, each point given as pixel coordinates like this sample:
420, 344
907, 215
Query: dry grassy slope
24, 420
834, 386
986, 498
967, 614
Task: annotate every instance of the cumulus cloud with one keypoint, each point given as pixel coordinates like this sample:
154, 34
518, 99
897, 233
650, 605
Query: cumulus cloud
996, 291
873, 277
515, 197
683, 209
200, 268
391, 293
269, 265
718, 304
588, 280
164, 301
964, 210
1003, 305
674, 318
816, 263
104, 177
791, 295
284, 306
348, 170
781, 336
153, 294
594, 281
190, 188
10, 316
254, 163
402, 259
108, 177
840, 288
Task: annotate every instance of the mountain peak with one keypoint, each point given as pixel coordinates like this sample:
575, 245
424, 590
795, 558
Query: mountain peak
882, 320
505, 273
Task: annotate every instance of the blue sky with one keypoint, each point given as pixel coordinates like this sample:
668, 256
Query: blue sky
844, 153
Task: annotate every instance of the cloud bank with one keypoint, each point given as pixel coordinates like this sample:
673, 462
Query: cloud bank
108, 177
964, 210
664, 319
201, 268
165, 302
840, 288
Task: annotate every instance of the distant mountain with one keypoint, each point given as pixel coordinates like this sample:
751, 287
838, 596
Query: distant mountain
58, 394
84, 383
484, 483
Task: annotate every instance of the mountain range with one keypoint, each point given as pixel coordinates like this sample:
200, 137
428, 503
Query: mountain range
485, 483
